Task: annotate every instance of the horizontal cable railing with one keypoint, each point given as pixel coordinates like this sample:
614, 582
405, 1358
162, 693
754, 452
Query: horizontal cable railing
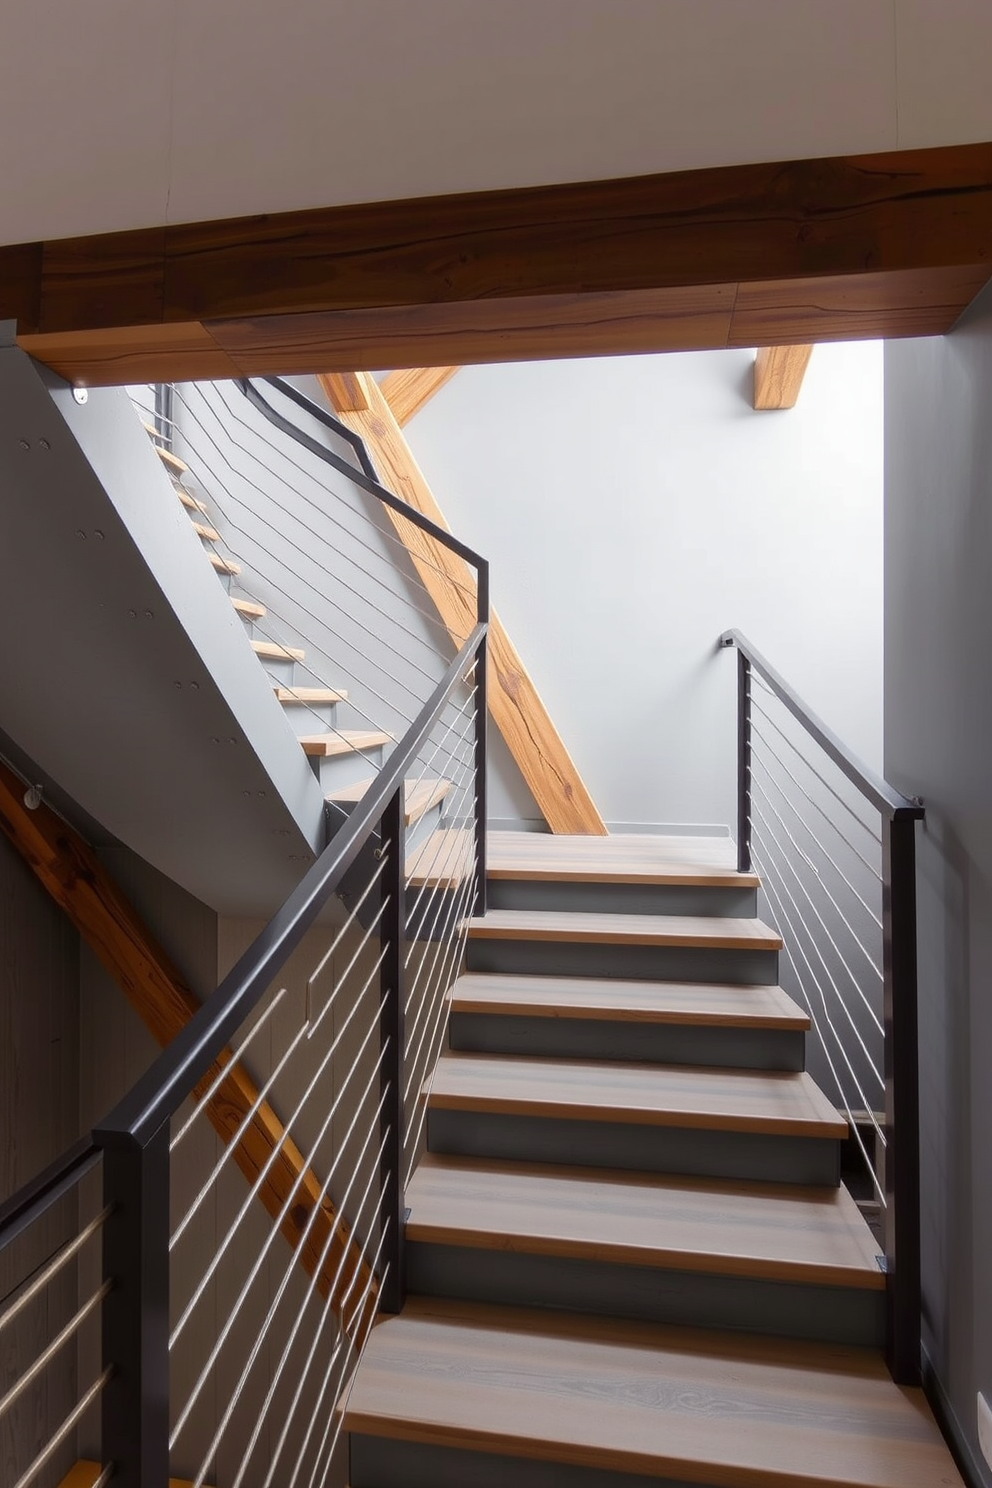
315, 553
52, 1290
244, 1204
834, 846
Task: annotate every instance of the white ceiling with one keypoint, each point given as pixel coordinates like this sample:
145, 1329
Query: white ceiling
126, 113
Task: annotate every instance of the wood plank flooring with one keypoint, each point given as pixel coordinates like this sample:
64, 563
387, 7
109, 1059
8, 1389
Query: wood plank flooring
343, 741
631, 858
718, 933
647, 1094
716, 1408
617, 1001
777, 1231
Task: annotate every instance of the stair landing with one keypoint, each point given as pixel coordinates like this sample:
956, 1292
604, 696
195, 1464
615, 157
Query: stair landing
626, 858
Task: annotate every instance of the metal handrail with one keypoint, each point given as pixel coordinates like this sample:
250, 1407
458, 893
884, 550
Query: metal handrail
38, 1195
900, 1031
874, 789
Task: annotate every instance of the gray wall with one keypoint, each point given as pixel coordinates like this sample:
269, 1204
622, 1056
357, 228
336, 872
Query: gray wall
938, 743
635, 507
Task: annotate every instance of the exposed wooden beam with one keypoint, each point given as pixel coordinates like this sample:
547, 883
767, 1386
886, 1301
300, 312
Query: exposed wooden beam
751, 255
514, 703
72, 874
778, 375
407, 390
345, 391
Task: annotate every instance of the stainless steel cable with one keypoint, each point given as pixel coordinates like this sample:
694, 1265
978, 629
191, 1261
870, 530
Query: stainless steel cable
274, 1230
455, 905
822, 1041
266, 1169
819, 877
61, 1258
72, 1419
859, 821
48, 1353
418, 914
826, 1014
756, 759
225, 1071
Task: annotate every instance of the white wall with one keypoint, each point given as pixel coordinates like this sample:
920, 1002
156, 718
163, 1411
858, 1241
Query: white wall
127, 113
632, 509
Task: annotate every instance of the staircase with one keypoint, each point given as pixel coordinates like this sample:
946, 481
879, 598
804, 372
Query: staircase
629, 1257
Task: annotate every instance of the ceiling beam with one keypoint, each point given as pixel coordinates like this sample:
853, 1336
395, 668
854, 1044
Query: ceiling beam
514, 702
407, 390
778, 375
892, 244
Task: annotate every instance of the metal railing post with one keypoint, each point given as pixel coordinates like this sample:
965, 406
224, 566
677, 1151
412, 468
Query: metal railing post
135, 1409
902, 1101
392, 1041
743, 763
481, 740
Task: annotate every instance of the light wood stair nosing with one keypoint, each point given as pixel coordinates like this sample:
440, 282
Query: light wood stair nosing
602, 927
343, 741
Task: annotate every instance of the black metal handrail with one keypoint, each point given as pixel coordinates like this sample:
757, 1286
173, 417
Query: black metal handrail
899, 815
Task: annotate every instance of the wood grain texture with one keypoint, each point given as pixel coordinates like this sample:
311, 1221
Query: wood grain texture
622, 857
274, 651
708, 1407
419, 796
445, 858
517, 273
775, 1231
248, 609
408, 389
70, 872
648, 1095
309, 695
345, 391
84, 1474
615, 1001
224, 565
514, 703
778, 375
713, 931
343, 741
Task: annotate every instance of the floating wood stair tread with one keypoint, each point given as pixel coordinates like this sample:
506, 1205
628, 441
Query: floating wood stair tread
711, 1004
190, 502
343, 741
224, 565
775, 1231
273, 651
209, 534
248, 608
674, 1403
714, 932
310, 696
628, 858
420, 796
442, 860
171, 460
774, 1102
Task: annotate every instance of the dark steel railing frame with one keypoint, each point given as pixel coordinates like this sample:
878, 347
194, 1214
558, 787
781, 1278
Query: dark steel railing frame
901, 1216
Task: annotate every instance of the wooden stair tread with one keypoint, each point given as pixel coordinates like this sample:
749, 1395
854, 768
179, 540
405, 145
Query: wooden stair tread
773, 1102
419, 796
208, 534
716, 1408
714, 1004
716, 931
224, 565
171, 460
274, 651
343, 741
289, 696
190, 502
442, 859
628, 858
248, 608
776, 1231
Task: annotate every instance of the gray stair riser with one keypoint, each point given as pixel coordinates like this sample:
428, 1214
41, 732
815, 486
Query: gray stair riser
339, 771
695, 1299
378, 1462
609, 898
641, 963
661, 1043
310, 718
280, 670
753, 1156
